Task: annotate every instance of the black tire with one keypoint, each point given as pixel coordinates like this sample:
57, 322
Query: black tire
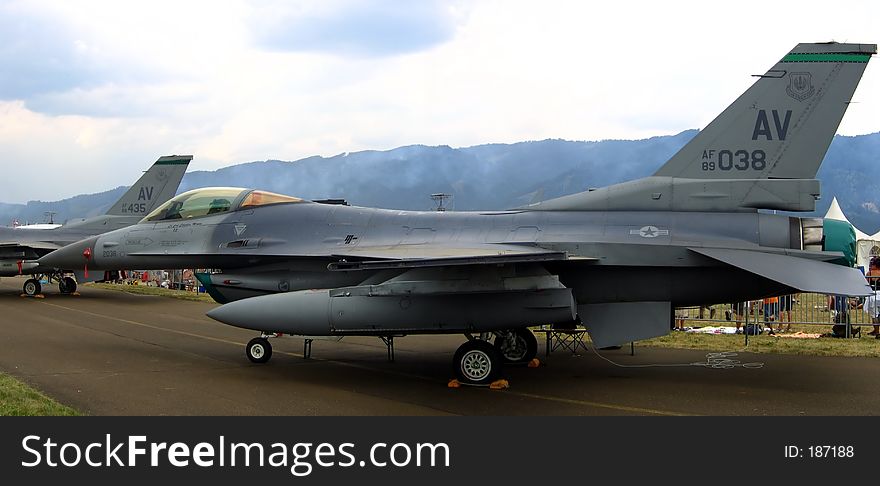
522, 348
32, 287
477, 362
69, 285
258, 350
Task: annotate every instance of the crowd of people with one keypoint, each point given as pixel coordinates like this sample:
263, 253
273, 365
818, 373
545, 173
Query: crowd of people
775, 311
185, 280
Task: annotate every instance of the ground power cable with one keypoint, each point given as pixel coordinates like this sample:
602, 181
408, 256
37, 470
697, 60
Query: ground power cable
723, 360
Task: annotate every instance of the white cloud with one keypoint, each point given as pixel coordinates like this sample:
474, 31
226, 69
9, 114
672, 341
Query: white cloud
135, 81
353, 28
75, 154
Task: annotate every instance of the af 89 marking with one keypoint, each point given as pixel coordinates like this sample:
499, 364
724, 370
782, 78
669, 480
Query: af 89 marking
726, 160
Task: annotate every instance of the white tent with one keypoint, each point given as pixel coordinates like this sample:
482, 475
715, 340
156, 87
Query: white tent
835, 213
866, 246
865, 250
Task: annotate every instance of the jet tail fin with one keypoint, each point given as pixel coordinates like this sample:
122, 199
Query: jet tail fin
762, 152
158, 184
781, 127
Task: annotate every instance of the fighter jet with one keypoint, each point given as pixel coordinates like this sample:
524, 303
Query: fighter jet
20, 247
618, 259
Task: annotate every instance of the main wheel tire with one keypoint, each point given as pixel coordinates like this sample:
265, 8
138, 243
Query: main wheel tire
477, 362
69, 285
517, 346
32, 287
258, 350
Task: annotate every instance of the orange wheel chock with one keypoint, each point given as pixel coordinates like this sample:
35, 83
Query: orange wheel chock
499, 384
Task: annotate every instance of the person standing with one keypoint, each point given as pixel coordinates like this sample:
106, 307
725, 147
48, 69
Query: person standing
839, 306
711, 312
680, 315
771, 308
872, 308
786, 302
873, 278
738, 311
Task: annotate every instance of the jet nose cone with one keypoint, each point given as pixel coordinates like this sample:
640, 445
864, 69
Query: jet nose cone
72, 257
239, 313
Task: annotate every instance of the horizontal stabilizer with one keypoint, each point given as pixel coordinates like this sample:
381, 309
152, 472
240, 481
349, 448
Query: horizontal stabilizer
798, 273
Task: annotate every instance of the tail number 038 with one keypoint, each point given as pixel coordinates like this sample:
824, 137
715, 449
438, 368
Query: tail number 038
734, 160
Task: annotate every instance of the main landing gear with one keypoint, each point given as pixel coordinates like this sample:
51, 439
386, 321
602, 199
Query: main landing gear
476, 362
517, 346
31, 287
66, 285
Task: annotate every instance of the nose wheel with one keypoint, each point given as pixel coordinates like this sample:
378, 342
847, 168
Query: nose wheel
258, 350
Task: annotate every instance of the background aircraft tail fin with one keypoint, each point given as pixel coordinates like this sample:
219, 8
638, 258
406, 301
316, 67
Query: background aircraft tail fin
158, 184
781, 127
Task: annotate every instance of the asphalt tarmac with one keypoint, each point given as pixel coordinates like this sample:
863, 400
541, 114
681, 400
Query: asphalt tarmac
112, 353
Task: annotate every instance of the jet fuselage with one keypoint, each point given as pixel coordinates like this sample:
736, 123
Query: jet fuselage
628, 256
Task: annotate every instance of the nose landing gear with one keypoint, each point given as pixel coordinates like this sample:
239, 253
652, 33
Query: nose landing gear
258, 350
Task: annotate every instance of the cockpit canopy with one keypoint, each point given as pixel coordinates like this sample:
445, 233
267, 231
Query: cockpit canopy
207, 201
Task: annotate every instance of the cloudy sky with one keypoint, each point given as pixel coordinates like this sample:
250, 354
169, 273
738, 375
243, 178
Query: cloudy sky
92, 91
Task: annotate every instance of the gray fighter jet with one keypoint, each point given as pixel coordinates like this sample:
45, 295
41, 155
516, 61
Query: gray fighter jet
619, 259
21, 247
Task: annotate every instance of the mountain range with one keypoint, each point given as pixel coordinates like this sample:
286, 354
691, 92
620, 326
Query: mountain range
492, 176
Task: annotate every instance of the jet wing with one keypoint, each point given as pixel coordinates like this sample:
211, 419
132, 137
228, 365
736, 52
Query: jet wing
37, 245
416, 256
362, 257
803, 274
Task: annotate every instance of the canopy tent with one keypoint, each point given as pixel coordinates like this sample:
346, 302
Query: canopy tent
866, 246
834, 212
865, 250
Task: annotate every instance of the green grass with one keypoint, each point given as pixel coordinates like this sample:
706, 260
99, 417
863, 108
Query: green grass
146, 290
810, 314
825, 346
17, 398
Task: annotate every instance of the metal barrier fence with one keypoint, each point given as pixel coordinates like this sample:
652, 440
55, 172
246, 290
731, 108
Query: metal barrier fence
805, 309
796, 309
